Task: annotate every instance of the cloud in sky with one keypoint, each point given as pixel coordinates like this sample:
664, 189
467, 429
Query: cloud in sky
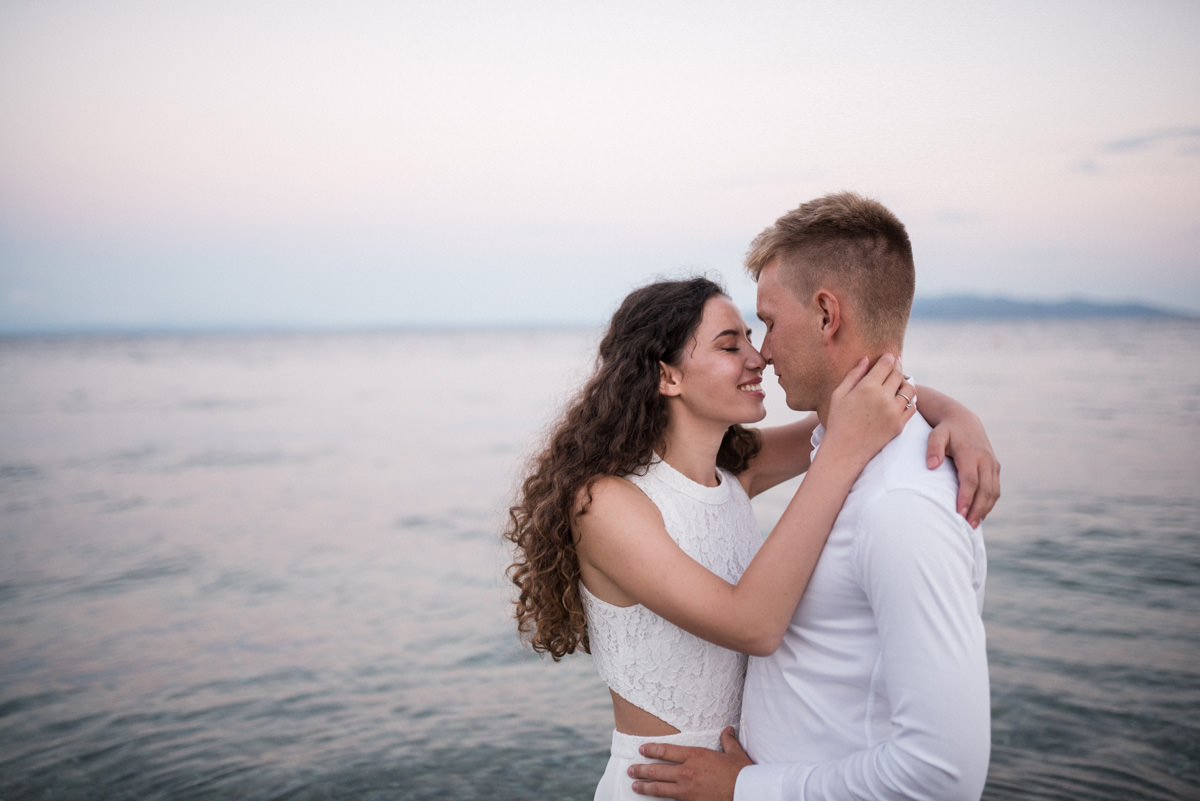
359, 163
1187, 139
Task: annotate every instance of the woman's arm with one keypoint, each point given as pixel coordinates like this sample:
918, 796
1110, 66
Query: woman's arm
957, 433
784, 454
627, 557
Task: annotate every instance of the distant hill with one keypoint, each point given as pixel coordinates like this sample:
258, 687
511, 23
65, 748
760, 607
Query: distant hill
971, 307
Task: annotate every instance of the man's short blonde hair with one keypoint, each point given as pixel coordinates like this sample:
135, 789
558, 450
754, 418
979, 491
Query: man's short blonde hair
850, 243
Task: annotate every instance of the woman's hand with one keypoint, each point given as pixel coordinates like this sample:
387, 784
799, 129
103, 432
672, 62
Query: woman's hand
959, 434
869, 408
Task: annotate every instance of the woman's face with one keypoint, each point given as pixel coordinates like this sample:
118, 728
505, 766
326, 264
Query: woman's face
719, 375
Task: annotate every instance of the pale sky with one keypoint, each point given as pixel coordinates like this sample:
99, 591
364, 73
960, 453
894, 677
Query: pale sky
335, 164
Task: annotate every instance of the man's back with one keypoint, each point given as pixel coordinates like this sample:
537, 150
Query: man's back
882, 675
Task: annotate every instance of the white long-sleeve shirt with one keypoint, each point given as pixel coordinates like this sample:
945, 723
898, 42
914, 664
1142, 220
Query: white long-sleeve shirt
880, 688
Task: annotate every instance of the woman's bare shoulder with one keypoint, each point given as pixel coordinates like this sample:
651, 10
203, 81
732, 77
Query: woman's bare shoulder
606, 495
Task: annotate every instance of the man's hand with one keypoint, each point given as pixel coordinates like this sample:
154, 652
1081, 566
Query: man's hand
697, 774
964, 440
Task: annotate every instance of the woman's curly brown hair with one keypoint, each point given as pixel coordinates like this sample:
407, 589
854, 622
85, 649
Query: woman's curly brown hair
612, 428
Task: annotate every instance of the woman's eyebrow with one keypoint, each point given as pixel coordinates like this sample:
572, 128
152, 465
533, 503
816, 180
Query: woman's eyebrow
733, 332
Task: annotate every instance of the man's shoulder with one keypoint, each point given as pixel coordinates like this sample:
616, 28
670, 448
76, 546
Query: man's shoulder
901, 464
898, 490
909, 507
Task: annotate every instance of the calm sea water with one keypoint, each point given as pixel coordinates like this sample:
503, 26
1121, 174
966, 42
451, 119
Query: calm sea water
268, 567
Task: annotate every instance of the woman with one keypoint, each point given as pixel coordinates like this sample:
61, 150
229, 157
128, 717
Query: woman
635, 539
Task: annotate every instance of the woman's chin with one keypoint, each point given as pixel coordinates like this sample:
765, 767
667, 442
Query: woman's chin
758, 417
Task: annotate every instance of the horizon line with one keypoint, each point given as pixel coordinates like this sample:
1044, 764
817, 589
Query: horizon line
960, 307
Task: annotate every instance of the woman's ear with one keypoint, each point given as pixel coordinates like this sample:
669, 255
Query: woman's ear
670, 380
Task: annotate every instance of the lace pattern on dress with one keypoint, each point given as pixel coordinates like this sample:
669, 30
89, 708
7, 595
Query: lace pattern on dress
678, 677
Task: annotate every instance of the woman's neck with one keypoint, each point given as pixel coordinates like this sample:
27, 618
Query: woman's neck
693, 453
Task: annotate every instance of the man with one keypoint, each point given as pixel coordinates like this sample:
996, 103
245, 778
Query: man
880, 688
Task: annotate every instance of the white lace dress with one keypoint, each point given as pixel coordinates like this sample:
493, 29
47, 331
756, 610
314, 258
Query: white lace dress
688, 682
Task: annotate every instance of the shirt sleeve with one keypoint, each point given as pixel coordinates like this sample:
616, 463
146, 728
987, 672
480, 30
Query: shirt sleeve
922, 573
764, 782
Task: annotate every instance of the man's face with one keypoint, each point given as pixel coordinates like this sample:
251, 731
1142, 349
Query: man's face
793, 341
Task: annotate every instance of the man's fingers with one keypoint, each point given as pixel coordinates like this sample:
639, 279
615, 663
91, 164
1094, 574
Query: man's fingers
654, 772
665, 751
691, 773
655, 789
655, 779
730, 744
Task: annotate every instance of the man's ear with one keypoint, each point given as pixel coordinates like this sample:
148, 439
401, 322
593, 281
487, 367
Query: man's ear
831, 313
669, 380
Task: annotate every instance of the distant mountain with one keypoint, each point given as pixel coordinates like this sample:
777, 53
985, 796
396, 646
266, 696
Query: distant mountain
971, 307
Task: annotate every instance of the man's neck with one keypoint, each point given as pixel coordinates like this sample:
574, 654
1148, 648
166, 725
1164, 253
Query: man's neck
841, 370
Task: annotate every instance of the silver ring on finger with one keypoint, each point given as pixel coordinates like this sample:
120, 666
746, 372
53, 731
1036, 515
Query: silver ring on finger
908, 402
